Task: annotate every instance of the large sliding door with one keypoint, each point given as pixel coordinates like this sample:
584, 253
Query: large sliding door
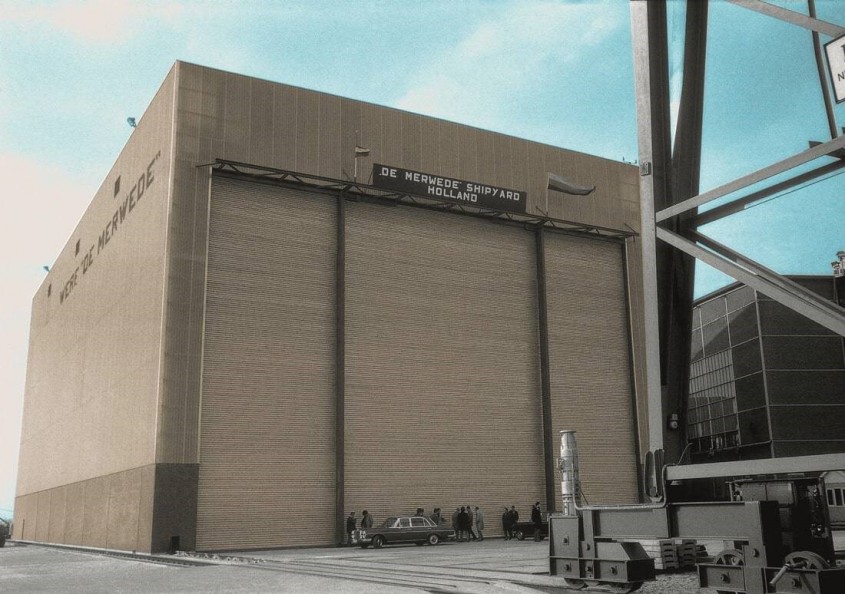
590, 364
442, 395
267, 427
442, 365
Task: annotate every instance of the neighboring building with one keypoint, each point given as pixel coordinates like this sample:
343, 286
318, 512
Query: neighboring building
834, 482
234, 355
764, 381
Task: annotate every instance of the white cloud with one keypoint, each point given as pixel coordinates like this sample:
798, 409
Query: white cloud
505, 55
44, 200
92, 21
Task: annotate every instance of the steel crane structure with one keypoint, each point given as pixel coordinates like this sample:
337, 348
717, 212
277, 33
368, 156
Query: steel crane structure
670, 197
595, 547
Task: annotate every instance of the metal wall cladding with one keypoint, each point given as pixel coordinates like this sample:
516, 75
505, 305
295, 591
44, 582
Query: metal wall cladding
229, 116
92, 373
443, 401
442, 367
590, 365
267, 417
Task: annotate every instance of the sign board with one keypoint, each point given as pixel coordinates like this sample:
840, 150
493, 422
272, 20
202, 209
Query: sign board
447, 188
836, 66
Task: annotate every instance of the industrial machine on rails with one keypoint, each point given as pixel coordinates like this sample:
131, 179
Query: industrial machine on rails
777, 530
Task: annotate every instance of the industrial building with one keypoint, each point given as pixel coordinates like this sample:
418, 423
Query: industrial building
282, 306
765, 382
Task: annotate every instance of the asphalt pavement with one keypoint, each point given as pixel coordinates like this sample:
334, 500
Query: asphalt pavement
493, 566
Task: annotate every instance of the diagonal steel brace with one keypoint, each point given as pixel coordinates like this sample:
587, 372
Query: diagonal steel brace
758, 277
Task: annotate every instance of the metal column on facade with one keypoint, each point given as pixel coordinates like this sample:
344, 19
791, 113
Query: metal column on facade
340, 369
545, 382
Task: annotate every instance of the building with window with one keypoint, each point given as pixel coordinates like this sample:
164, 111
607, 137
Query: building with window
765, 381
835, 486
283, 305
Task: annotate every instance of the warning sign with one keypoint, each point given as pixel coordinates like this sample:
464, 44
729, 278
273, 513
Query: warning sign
836, 65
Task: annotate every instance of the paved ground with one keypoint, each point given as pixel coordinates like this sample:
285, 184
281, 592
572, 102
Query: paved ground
491, 567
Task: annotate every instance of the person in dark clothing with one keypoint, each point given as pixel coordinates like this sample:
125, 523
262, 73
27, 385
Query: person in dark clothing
463, 525
435, 517
506, 523
514, 519
537, 520
350, 528
366, 520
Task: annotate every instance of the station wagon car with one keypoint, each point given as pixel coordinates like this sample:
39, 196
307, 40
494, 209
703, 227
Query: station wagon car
395, 530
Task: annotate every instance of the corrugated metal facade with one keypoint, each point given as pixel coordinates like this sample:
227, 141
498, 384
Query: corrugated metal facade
590, 362
442, 368
267, 416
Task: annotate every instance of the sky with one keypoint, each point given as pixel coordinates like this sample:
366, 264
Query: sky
554, 71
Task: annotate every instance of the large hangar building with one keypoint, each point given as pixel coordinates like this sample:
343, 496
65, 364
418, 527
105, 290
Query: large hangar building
257, 327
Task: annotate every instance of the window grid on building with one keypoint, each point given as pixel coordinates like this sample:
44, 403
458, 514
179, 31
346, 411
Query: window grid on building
712, 412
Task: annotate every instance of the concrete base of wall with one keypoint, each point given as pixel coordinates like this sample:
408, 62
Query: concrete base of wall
142, 510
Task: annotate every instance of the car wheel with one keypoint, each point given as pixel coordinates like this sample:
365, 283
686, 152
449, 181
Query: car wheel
520, 535
433, 539
378, 541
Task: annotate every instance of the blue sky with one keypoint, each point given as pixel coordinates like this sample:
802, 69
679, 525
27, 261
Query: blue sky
558, 72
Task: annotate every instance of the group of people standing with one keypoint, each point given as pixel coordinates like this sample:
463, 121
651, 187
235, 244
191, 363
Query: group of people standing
366, 522
510, 518
468, 524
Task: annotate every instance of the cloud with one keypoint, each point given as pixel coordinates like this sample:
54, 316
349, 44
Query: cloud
45, 195
504, 57
92, 21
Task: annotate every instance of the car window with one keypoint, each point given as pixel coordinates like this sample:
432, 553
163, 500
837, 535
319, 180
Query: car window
418, 522
404, 522
389, 523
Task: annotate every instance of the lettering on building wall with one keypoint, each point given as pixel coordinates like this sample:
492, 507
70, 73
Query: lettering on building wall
109, 230
456, 190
